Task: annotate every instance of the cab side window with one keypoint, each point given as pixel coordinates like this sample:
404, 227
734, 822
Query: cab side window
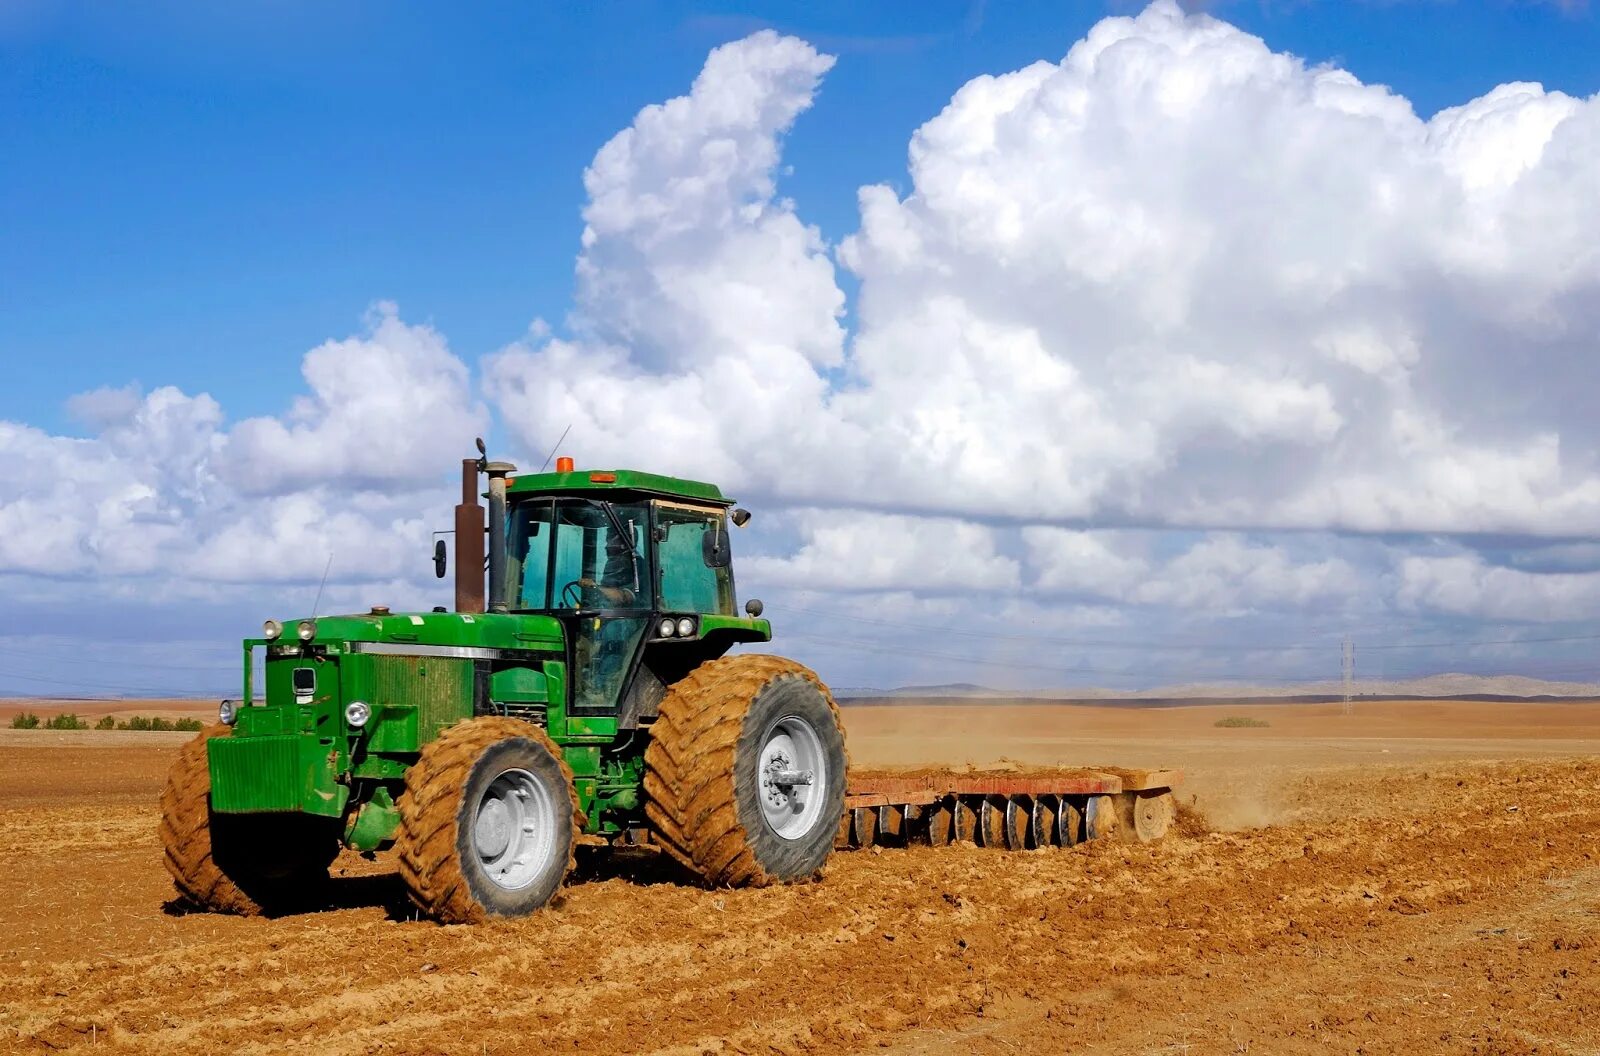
688, 583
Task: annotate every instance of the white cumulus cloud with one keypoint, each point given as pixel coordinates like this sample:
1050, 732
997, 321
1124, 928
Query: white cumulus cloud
706, 308
164, 491
1220, 571
1174, 334
1466, 585
385, 407
1175, 278
844, 550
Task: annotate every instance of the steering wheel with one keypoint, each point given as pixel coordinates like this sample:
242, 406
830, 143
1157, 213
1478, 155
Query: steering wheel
572, 593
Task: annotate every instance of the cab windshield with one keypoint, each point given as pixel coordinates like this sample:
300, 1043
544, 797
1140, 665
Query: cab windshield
579, 554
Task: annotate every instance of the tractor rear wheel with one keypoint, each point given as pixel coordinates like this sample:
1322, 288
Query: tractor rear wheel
745, 771
247, 864
488, 822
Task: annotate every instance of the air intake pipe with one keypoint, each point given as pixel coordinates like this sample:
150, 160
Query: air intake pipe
498, 593
469, 540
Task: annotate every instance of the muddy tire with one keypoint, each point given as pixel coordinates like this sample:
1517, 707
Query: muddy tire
715, 786
248, 864
488, 822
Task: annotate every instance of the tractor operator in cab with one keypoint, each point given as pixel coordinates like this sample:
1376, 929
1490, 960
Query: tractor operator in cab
602, 657
619, 578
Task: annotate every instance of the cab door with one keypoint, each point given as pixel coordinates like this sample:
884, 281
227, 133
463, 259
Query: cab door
601, 589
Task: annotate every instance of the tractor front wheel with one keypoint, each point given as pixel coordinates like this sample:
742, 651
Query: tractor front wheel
745, 771
488, 822
247, 864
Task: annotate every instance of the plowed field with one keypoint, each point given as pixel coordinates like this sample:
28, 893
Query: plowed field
1411, 879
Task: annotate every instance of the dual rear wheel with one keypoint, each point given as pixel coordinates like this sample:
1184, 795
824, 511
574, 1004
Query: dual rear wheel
745, 772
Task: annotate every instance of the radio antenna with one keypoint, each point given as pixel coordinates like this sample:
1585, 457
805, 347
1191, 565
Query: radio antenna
553, 450
318, 603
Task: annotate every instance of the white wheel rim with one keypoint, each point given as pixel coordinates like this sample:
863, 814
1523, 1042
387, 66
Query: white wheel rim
792, 772
514, 829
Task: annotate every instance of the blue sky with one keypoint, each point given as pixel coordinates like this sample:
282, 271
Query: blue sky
195, 194
1192, 343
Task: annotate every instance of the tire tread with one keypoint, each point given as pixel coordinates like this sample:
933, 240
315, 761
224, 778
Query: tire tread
430, 807
186, 834
690, 777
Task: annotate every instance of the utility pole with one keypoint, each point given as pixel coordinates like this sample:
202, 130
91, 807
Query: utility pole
1347, 667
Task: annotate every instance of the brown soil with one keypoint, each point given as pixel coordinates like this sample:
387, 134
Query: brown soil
1428, 883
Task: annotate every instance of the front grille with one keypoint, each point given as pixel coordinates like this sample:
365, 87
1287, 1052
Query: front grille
254, 774
439, 688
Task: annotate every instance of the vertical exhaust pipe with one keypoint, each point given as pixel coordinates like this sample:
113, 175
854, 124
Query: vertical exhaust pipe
499, 595
469, 541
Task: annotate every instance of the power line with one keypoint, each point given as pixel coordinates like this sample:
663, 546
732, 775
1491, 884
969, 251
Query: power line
1168, 646
1491, 641
75, 659
96, 685
895, 650
845, 643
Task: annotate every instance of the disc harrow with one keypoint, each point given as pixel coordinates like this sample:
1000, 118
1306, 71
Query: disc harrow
1007, 810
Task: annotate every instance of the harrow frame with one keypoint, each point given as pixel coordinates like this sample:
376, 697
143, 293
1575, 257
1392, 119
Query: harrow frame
1003, 809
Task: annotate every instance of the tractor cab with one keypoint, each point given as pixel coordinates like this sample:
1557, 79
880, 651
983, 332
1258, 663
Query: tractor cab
629, 563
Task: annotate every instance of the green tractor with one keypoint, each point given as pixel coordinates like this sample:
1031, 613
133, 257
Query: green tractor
587, 699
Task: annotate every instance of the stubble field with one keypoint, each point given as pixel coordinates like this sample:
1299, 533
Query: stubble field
1416, 877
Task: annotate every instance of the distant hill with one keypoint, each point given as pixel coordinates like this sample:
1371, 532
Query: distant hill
1450, 686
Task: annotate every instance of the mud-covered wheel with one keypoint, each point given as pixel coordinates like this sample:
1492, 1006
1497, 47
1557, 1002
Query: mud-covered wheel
247, 864
488, 822
745, 771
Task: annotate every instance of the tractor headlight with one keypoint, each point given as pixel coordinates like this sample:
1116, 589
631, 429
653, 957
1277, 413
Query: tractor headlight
356, 713
307, 630
271, 629
228, 712
686, 628
666, 627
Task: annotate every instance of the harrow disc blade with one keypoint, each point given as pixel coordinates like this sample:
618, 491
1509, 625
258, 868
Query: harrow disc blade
1100, 817
892, 824
966, 812
991, 822
1152, 814
1042, 821
1069, 823
937, 826
1016, 824
863, 827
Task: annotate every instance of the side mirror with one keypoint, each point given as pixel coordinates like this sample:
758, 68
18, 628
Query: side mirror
739, 516
440, 558
714, 548
754, 607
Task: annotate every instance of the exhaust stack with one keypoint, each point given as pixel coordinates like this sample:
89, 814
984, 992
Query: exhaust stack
498, 471
469, 541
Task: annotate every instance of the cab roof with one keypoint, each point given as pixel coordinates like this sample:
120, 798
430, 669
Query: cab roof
617, 484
